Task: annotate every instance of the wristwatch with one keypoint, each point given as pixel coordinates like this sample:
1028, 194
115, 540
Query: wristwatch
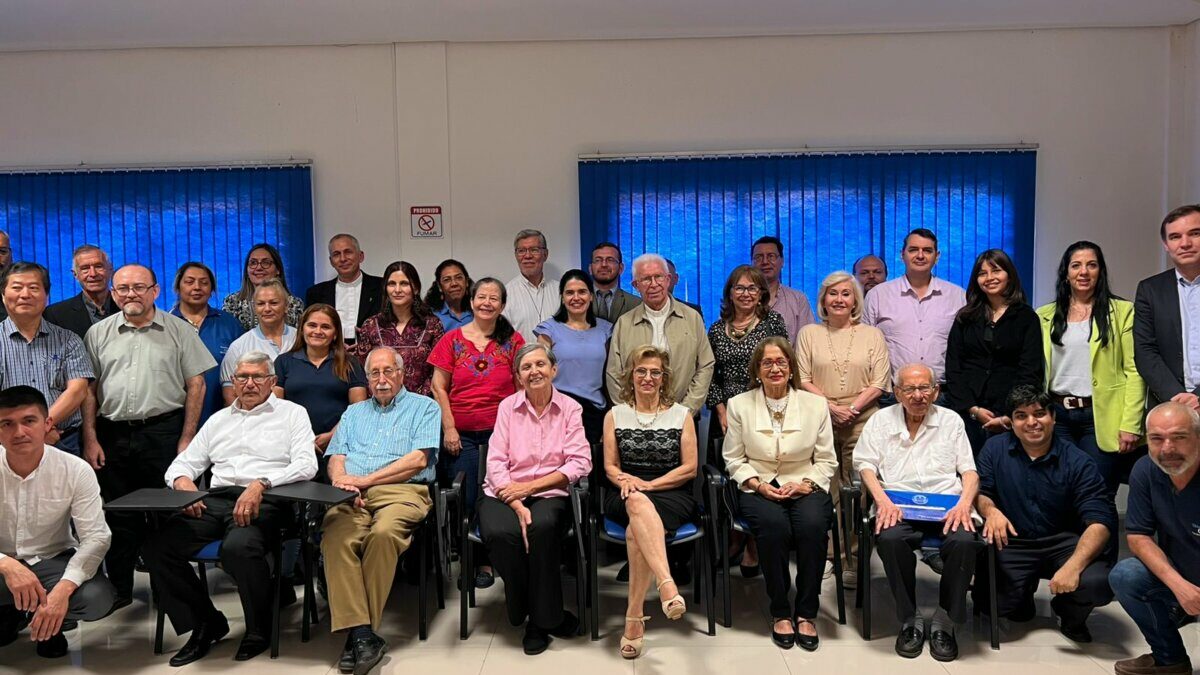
265, 483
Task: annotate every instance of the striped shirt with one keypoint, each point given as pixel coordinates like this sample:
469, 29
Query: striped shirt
48, 363
371, 436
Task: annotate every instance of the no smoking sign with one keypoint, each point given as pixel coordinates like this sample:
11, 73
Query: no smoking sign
426, 222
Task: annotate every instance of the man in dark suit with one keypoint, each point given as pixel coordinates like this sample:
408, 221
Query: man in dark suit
353, 293
92, 270
606, 268
1166, 323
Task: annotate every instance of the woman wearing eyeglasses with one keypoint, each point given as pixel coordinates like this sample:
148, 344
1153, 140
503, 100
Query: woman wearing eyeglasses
263, 262
779, 453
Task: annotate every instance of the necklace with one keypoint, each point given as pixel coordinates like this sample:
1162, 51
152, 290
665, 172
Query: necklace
637, 414
737, 334
777, 409
842, 367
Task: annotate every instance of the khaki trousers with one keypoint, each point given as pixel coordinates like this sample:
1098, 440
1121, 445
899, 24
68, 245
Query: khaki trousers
362, 546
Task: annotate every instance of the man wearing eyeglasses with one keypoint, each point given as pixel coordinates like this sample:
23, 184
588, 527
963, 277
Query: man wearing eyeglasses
532, 298
767, 255
257, 443
607, 267
384, 449
143, 407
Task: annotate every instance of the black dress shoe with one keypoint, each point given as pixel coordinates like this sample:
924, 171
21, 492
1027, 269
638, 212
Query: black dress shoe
782, 640
935, 562
808, 643
368, 652
203, 637
121, 602
251, 646
287, 594
536, 640
346, 661
943, 646
568, 627
1077, 632
484, 579
910, 642
55, 647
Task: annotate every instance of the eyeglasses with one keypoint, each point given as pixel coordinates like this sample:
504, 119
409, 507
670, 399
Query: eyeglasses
386, 372
532, 250
652, 373
262, 264
242, 378
746, 290
605, 261
136, 289
772, 364
923, 388
653, 280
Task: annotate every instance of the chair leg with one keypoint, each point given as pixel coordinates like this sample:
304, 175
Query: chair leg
275, 602
439, 576
466, 586
993, 612
726, 582
705, 580
864, 582
581, 591
309, 611
422, 584
697, 552
158, 620
594, 582
837, 571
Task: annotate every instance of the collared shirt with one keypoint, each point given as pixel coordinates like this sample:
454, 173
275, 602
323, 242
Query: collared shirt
371, 436
916, 329
450, 320
37, 512
932, 462
143, 372
48, 363
526, 446
217, 331
345, 300
273, 440
793, 306
1189, 314
529, 305
254, 341
1157, 508
692, 359
318, 389
95, 312
1058, 492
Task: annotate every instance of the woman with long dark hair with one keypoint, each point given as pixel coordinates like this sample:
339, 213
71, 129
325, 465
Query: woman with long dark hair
1087, 341
448, 296
580, 341
404, 323
994, 345
262, 262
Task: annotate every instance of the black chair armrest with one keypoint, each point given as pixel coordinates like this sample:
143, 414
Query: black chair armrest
578, 493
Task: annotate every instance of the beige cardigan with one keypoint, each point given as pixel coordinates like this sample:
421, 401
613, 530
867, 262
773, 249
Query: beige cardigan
805, 448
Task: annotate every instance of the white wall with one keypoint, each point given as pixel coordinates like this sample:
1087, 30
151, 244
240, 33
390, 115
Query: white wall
492, 131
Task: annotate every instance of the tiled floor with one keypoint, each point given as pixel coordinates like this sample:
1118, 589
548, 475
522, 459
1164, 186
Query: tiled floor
123, 642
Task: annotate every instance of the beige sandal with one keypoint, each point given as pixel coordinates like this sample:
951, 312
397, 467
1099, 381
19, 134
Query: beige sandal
673, 607
631, 648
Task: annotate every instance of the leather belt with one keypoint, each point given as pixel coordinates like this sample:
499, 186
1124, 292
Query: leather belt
1072, 402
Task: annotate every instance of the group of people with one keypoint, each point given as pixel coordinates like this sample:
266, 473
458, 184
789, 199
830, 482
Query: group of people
1028, 419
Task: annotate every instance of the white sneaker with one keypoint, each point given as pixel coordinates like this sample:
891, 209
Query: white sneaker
828, 570
850, 578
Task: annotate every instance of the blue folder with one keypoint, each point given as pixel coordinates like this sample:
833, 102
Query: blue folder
926, 506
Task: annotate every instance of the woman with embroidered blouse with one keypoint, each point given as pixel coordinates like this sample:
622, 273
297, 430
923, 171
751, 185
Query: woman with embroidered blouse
406, 324
650, 459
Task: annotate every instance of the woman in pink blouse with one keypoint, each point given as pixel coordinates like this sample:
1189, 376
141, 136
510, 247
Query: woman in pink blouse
538, 449
405, 324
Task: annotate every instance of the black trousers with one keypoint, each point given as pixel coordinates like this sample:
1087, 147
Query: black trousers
1024, 562
959, 551
593, 420
532, 580
245, 556
136, 455
800, 525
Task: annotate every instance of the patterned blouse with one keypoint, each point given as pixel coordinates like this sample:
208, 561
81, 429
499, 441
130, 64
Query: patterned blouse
414, 346
479, 380
731, 375
649, 448
244, 311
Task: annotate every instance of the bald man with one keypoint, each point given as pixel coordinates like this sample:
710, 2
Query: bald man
870, 270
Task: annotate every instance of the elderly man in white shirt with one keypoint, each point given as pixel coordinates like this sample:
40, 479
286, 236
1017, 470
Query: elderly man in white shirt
920, 447
48, 571
532, 298
257, 443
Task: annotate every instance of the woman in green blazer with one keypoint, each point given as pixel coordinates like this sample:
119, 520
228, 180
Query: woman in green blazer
1087, 340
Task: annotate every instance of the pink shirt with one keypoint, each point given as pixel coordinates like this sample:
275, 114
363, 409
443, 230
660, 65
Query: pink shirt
525, 447
793, 306
916, 330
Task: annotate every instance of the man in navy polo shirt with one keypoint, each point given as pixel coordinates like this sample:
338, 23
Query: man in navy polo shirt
1163, 576
1045, 508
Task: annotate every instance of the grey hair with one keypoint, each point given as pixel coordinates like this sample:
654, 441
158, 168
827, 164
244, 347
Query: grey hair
531, 348
255, 358
901, 369
89, 248
399, 360
1167, 406
527, 233
343, 235
647, 258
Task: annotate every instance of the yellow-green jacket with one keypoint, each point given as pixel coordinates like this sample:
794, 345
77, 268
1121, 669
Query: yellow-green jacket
1118, 392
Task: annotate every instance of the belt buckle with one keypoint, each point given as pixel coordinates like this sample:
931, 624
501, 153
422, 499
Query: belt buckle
1072, 402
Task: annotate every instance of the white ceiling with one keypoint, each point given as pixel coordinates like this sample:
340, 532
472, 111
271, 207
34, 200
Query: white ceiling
85, 24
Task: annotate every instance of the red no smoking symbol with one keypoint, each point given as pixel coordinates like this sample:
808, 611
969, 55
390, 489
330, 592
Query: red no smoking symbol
426, 223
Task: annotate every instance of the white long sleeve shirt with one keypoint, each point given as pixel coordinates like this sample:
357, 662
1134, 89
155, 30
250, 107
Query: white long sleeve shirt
931, 462
272, 441
36, 513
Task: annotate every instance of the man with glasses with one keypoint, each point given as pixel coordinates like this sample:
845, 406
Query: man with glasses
532, 298
355, 294
668, 324
607, 267
767, 255
385, 449
922, 448
92, 269
257, 443
143, 408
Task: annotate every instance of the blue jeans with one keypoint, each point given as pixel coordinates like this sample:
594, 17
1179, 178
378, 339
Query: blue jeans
467, 462
1078, 426
1148, 602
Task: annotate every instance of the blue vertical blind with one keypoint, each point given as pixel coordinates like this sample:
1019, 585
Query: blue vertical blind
162, 218
829, 209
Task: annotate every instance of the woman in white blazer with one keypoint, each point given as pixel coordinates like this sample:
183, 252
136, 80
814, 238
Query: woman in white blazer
779, 452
